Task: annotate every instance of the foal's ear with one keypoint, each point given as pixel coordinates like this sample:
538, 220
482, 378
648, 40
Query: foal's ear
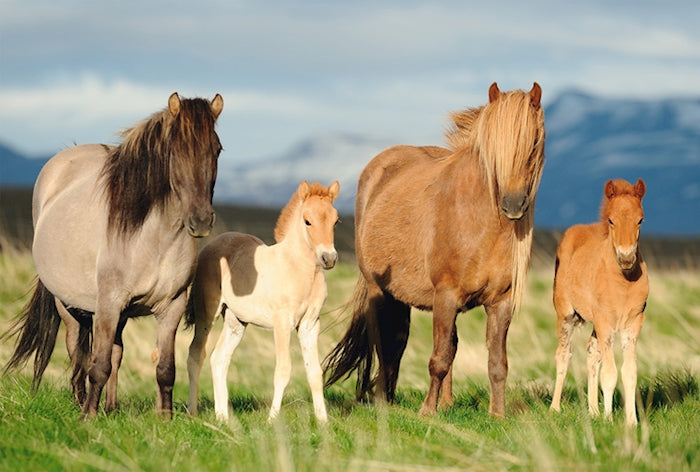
174, 104
303, 190
640, 188
494, 93
535, 95
333, 190
609, 189
217, 104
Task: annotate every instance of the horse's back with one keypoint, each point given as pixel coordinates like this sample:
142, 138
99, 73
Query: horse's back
74, 168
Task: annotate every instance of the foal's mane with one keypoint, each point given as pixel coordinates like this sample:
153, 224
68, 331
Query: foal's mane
508, 136
286, 218
138, 171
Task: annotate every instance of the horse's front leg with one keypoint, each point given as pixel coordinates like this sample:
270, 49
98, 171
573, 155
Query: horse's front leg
283, 366
308, 339
168, 321
498, 320
444, 348
105, 323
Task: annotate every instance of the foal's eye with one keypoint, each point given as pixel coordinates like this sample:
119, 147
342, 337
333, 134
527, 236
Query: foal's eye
308, 223
641, 220
610, 222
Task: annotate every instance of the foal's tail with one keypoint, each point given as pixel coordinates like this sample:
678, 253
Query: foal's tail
37, 327
354, 351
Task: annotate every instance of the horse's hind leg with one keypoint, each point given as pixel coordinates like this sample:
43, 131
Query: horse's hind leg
77, 352
394, 322
230, 337
565, 329
629, 367
608, 370
593, 366
117, 353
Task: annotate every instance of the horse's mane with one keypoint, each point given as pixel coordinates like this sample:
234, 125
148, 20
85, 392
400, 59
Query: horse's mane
138, 171
286, 215
507, 133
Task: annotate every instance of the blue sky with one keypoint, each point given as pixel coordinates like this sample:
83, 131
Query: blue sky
79, 71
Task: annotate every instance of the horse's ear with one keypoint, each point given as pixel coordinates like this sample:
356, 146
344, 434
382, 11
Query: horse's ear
333, 190
303, 190
640, 188
609, 189
217, 104
535, 95
174, 104
494, 93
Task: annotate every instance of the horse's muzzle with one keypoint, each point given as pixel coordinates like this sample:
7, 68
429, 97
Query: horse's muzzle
514, 206
199, 227
328, 259
626, 258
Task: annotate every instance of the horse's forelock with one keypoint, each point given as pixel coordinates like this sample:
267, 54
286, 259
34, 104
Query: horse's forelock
286, 215
509, 133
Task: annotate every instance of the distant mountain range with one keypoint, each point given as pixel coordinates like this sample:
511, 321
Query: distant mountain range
589, 140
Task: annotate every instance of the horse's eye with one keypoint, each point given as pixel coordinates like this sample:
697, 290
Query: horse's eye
610, 222
308, 223
337, 221
641, 220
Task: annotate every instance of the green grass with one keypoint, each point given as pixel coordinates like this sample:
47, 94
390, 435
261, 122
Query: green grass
44, 432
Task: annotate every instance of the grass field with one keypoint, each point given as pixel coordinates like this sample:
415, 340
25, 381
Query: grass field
44, 432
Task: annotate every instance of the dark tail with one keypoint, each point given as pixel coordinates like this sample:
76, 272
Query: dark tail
354, 351
37, 327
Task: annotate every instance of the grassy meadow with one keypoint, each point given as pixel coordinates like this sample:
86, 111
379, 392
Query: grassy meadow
44, 432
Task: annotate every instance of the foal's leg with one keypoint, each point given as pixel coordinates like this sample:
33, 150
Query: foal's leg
593, 366
203, 321
283, 366
629, 367
444, 349
117, 352
565, 329
230, 337
308, 340
497, 323
608, 370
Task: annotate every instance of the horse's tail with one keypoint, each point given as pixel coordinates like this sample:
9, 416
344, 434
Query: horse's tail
37, 327
354, 351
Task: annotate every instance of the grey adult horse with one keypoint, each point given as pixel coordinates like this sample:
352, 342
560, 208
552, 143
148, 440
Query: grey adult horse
114, 238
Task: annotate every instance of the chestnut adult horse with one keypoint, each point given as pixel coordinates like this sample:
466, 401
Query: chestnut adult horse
600, 277
114, 238
445, 230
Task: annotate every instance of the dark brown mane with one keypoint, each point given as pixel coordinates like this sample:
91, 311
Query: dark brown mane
285, 218
138, 173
